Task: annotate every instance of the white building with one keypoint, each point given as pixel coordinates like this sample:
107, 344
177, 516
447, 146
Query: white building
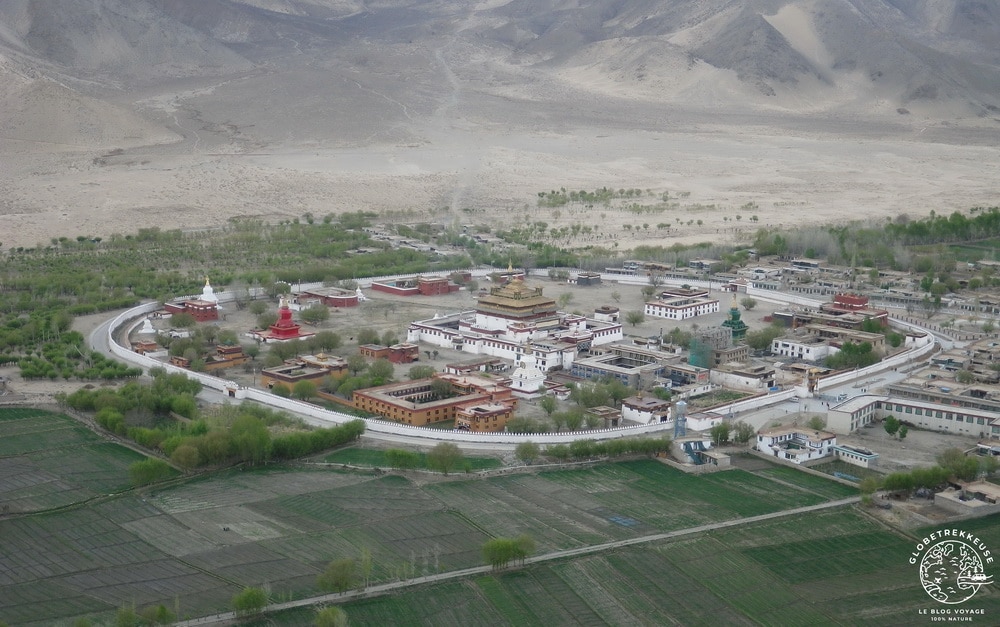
743, 376
703, 421
805, 348
796, 444
853, 413
646, 410
861, 411
681, 307
760, 273
856, 455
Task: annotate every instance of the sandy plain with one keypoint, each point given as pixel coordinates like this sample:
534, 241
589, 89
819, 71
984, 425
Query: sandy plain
791, 179
452, 134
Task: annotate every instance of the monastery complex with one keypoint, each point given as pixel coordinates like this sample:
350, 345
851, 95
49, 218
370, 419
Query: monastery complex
515, 320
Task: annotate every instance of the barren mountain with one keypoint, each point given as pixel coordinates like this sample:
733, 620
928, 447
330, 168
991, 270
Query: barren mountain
193, 111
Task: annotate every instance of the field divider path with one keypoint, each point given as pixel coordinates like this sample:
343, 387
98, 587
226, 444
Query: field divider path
791, 485
381, 589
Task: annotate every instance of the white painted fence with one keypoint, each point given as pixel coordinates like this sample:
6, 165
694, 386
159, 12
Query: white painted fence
926, 346
321, 417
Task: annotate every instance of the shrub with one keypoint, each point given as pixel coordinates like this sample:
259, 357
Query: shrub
249, 602
148, 471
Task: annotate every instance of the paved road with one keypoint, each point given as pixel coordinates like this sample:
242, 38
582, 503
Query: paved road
382, 589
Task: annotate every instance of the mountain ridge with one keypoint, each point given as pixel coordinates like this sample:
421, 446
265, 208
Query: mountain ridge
186, 113
955, 48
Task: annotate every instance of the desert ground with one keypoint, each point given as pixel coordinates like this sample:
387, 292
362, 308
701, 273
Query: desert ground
784, 177
747, 114
459, 131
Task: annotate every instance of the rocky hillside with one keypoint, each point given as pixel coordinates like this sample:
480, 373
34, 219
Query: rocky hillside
935, 57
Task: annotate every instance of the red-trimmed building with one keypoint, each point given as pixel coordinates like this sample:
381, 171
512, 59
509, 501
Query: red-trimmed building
226, 356
422, 286
481, 417
374, 351
305, 368
414, 402
145, 346
435, 286
330, 296
200, 310
404, 353
397, 353
854, 304
847, 311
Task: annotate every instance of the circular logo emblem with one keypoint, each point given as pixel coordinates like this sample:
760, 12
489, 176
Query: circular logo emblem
952, 572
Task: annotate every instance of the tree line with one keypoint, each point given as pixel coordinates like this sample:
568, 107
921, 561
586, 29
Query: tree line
164, 416
952, 465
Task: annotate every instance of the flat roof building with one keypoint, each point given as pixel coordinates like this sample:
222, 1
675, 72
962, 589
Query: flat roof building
681, 307
416, 402
200, 310
796, 444
331, 296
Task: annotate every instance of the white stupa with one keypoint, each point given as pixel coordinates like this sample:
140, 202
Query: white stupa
147, 327
208, 294
527, 379
361, 297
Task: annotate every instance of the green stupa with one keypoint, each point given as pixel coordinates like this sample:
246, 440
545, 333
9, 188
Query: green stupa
738, 327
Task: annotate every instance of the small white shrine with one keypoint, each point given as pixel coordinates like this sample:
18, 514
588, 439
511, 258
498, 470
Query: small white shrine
208, 294
527, 380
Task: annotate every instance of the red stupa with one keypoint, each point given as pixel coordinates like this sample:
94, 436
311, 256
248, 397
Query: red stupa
285, 328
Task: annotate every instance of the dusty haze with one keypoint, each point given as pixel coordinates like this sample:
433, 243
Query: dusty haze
121, 114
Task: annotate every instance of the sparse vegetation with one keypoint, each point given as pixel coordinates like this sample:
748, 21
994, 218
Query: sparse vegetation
444, 457
635, 317
527, 451
250, 602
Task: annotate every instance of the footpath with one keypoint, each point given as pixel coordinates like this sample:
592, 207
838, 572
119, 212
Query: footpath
386, 588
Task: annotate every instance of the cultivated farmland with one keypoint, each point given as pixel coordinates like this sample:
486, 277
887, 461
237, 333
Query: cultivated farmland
48, 460
835, 567
192, 546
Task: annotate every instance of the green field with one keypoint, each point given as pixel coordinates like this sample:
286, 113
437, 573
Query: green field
810, 483
49, 460
193, 545
848, 469
831, 568
975, 251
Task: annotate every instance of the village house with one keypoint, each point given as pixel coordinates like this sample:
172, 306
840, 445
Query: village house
796, 444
